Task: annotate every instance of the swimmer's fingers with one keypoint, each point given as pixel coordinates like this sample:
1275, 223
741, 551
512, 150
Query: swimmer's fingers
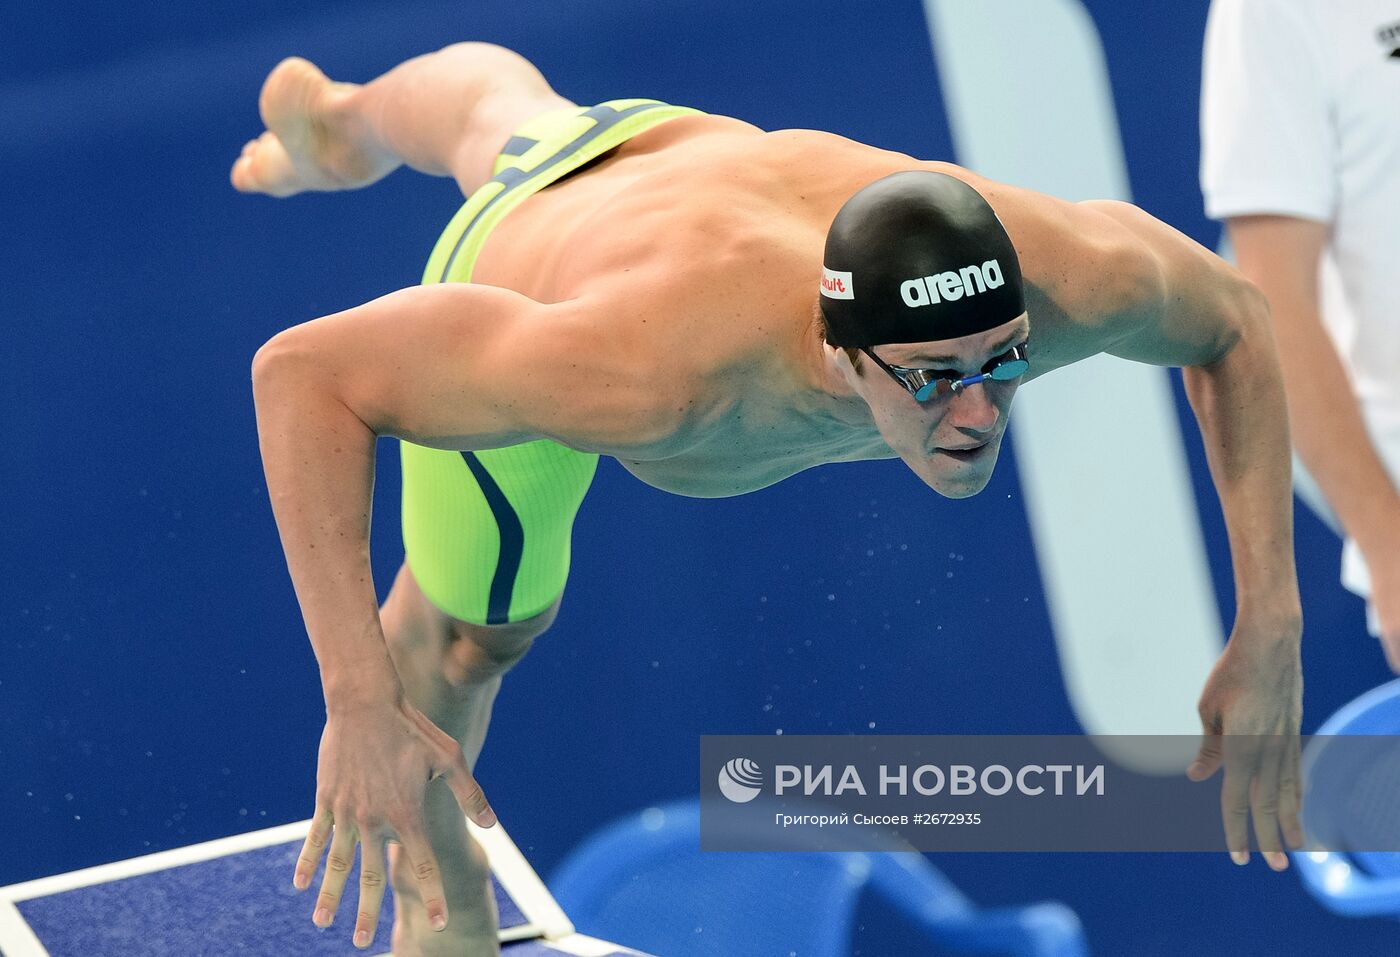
425, 870
1265, 801
469, 794
338, 863
1242, 756
1211, 753
317, 837
373, 875
452, 765
1290, 793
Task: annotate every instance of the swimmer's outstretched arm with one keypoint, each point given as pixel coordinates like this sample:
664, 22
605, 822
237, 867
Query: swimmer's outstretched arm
1205, 317
457, 366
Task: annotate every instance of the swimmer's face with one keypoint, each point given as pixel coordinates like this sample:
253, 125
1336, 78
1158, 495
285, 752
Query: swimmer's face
952, 439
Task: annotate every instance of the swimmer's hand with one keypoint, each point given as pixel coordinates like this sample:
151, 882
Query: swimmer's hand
375, 763
1251, 711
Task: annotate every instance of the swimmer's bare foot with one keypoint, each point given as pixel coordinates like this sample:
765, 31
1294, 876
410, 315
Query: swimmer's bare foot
314, 138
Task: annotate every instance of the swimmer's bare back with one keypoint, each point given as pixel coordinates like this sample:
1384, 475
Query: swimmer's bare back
666, 307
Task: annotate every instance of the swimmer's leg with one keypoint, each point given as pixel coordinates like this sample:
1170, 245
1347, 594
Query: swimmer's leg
446, 114
451, 671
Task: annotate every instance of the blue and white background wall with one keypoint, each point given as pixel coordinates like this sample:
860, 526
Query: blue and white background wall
156, 688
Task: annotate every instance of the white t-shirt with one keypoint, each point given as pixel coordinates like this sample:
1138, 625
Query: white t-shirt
1300, 116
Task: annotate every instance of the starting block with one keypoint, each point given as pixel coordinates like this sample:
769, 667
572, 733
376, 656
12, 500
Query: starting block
235, 896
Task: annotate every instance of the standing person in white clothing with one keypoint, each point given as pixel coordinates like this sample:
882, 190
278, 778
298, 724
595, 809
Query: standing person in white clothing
1300, 136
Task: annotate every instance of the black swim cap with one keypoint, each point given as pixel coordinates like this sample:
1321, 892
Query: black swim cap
916, 257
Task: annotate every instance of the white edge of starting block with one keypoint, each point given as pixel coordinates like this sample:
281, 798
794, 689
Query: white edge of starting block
159, 861
15, 935
542, 912
583, 946
520, 879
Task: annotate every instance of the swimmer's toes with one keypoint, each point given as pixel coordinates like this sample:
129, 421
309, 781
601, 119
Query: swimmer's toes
316, 130
290, 95
265, 167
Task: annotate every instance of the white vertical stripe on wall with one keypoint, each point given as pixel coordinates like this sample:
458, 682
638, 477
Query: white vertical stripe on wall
1102, 464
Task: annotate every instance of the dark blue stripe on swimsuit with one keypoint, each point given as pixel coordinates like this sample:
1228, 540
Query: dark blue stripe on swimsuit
517, 145
604, 118
512, 542
512, 534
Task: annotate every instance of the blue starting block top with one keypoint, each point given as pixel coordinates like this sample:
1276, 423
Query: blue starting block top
234, 896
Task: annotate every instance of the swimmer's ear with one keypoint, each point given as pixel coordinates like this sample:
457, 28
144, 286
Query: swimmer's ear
848, 360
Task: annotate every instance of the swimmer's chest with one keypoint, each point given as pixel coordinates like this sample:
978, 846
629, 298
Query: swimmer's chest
749, 447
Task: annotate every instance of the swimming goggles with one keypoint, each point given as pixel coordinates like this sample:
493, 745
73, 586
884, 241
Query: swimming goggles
923, 383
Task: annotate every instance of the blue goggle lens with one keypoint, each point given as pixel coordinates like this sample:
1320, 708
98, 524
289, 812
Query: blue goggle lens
1003, 371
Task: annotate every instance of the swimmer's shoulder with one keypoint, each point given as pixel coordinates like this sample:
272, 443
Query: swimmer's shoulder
1091, 275
804, 155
